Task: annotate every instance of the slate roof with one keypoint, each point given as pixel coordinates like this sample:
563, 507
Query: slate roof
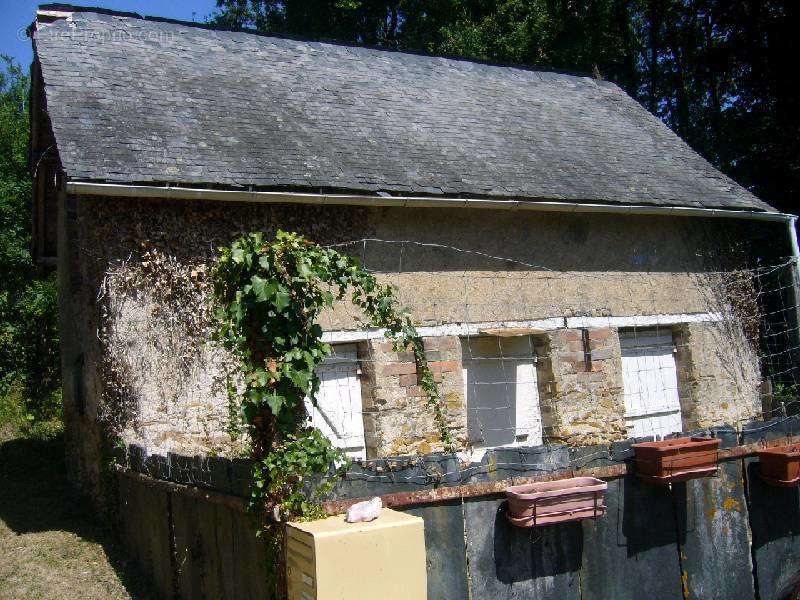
138, 100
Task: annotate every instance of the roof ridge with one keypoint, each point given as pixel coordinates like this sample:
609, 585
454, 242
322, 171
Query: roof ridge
65, 7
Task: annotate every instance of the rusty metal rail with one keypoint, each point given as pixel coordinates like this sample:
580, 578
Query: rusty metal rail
497, 488
440, 494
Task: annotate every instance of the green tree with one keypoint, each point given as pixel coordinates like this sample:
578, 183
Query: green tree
716, 72
759, 132
589, 37
399, 24
29, 362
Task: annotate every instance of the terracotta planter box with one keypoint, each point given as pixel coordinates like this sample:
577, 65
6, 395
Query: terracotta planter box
552, 502
780, 466
678, 459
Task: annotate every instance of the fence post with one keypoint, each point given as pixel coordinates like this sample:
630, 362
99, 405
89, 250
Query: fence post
794, 296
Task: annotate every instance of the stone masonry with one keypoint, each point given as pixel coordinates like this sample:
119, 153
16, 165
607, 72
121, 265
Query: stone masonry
397, 419
718, 375
580, 405
581, 392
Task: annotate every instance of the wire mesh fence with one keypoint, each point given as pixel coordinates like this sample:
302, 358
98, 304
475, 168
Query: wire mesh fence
523, 355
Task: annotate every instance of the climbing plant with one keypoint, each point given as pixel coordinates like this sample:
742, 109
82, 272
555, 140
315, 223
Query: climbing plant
269, 296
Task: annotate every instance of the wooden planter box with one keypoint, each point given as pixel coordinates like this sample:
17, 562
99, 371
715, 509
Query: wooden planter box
780, 466
678, 459
551, 502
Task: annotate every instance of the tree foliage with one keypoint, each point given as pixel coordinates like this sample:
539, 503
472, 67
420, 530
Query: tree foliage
718, 72
28, 305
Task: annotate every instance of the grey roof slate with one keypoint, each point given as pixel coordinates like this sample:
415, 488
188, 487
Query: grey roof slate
138, 100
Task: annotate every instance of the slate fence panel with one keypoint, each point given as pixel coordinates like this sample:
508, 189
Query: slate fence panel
728, 536
713, 528
774, 518
511, 562
145, 526
632, 551
445, 550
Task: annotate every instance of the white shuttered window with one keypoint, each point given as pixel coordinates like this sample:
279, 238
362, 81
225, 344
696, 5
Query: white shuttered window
652, 405
338, 414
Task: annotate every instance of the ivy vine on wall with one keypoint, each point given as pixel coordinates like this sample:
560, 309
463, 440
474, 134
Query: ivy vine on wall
268, 296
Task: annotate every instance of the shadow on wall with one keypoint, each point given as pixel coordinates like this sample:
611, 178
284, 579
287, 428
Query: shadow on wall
774, 511
522, 554
775, 525
660, 525
558, 242
35, 497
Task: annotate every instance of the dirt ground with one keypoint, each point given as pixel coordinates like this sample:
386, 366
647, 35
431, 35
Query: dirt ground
51, 546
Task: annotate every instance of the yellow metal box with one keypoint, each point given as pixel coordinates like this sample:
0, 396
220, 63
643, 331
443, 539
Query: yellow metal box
331, 558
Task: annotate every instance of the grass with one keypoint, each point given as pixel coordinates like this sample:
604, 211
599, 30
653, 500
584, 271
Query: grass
12, 412
51, 545
18, 420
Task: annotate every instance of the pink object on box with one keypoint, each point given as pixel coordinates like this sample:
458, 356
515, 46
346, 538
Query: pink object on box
559, 501
365, 511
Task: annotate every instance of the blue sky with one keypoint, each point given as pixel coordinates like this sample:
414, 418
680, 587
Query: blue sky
18, 14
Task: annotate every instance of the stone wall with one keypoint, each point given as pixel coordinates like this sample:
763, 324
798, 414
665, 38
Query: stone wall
581, 395
454, 266
82, 432
397, 420
718, 376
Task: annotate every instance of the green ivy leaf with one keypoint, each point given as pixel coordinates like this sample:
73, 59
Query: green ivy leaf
275, 403
304, 270
263, 289
300, 378
282, 300
272, 313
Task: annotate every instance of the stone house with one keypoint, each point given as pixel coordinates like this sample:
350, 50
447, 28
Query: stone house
577, 271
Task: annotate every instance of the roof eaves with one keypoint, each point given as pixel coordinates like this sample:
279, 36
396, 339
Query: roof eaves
343, 196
